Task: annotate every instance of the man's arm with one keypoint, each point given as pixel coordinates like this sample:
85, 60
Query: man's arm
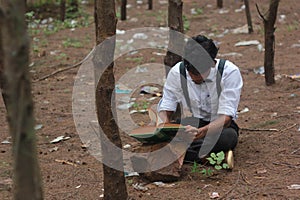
164, 116
214, 126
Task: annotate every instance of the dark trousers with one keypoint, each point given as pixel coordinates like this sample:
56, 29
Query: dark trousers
225, 141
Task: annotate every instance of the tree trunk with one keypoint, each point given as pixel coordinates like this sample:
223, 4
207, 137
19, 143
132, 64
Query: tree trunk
248, 15
74, 6
219, 3
176, 41
123, 9
269, 22
114, 180
150, 4
2, 83
19, 102
62, 10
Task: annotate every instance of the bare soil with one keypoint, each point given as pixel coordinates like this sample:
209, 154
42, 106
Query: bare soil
267, 158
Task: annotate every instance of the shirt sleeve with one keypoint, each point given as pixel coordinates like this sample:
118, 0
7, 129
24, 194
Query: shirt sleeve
171, 91
231, 85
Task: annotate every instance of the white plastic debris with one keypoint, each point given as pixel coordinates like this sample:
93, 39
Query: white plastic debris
282, 18
78, 186
259, 70
246, 109
5, 142
141, 36
247, 43
58, 139
294, 187
125, 106
139, 186
140, 69
126, 146
223, 11
214, 195
120, 32
38, 126
240, 30
260, 48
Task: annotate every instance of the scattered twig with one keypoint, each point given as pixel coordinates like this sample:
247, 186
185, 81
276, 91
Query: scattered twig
57, 71
245, 178
286, 164
63, 69
250, 129
65, 162
233, 187
292, 126
260, 14
295, 151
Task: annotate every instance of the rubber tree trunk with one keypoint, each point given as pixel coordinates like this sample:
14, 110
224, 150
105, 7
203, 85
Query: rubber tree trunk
105, 21
19, 104
269, 22
248, 15
150, 4
2, 81
62, 10
175, 40
219, 3
123, 9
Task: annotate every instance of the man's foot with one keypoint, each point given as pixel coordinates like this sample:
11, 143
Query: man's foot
230, 159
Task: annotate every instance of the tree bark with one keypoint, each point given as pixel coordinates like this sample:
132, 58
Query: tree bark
219, 3
123, 9
150, 4
105, 20
62, 10
269, 21
17, 89
176, 41
248, 15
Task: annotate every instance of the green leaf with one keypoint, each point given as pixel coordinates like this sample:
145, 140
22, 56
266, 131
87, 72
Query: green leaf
225, 166
219, 161
221, 155
209, 172
211, 161
218, 167
204, 172
213, 155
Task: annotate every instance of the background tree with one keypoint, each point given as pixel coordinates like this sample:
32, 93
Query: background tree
269, 20
175, 23
248, 16
219, 3
150, 4
19, 104
123, 9
105, 21
62, 10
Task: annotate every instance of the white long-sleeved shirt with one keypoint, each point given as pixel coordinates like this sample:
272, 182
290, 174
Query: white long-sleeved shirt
205, 103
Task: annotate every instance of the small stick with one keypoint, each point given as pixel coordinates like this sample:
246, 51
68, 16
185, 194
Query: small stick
293, 152
236, 183
250, 129
292, 126
63, 69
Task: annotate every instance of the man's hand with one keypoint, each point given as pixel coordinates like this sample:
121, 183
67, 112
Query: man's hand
196, 133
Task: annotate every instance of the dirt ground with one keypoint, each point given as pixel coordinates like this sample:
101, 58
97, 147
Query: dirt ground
267, 158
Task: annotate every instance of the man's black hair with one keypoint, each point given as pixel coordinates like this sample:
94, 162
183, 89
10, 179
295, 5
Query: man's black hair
193, 53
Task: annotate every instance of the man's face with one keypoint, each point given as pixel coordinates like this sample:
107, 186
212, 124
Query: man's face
197, 77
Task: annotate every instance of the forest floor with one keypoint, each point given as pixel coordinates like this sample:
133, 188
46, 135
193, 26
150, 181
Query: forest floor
267, 157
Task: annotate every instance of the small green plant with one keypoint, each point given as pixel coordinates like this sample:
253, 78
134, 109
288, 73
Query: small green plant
136, 59
186, 23
70, 42
216, 160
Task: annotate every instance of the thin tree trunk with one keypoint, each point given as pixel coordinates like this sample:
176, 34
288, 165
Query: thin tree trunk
219, 3
123, 9
150, 4
114, 180
62, 10
176, 41
17, 89
248, 15
269, 22
2, 83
